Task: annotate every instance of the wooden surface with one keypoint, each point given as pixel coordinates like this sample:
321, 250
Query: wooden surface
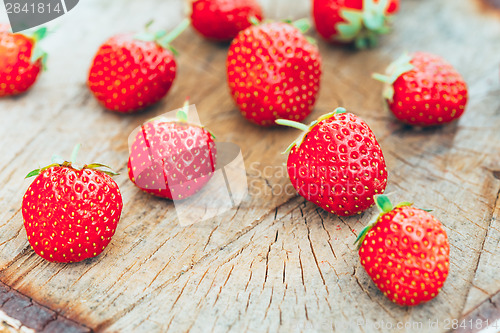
20, 313
488, 311
279, 263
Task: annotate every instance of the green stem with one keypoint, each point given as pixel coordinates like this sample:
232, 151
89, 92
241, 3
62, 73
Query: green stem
383, 203
302, 24
175, 32
148, 24
38, 52
182, 114
338, 110
57, 159
97, 166
74, 154
291, 123
253, 20
385, 206
381, 78
33, 173
39, 34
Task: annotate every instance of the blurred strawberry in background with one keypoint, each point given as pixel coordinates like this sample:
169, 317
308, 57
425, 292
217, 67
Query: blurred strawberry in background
21, 60
353, 21
423, 89
133, 71
274, 72
221, 20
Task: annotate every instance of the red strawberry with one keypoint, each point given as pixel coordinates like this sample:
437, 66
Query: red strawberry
337, 163
221, 20
406, 253
172, 158
273, 72
70, 213
424, 90
358, 21
131, 72
21, 60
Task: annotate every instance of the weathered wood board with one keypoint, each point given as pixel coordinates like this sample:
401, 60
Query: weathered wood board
279, 263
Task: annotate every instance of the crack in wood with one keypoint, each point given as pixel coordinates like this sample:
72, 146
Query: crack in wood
25, 315
492, 218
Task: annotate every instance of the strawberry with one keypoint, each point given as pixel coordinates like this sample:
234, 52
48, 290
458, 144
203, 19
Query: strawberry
221, 20
133, 71
337, 163
424, 90
172, 158
353, 21
406, 252
71, 213
21, 60
274, 72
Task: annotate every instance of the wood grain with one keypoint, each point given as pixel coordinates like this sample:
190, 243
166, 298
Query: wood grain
492, 3
19, 313
279, 263
484, 317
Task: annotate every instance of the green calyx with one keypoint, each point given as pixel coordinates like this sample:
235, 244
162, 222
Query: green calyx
181, 117
385, 206
161, 37
253, 20
305, 128
364, 27
302, 24
393, 72
38, 53
59, 161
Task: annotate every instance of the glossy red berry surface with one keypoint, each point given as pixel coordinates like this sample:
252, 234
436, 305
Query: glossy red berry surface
128, 74
406, 253
171, 159
339, 165
70, 215
221, 20
431, 93
273, 73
